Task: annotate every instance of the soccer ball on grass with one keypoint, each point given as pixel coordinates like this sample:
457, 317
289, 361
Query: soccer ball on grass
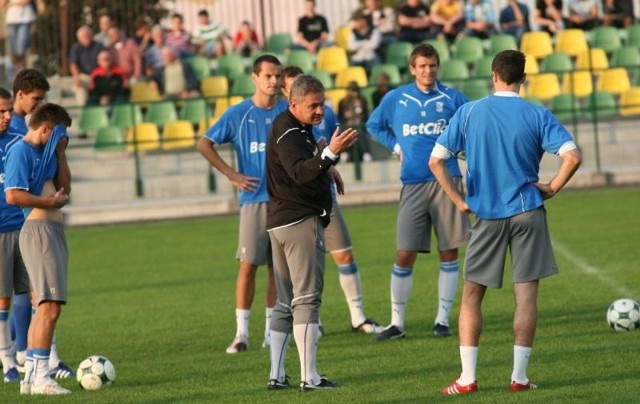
95, 372
624, 315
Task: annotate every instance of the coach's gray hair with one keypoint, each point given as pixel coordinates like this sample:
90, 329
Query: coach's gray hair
304, 85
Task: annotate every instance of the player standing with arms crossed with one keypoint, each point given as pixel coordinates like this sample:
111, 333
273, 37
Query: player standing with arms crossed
407, 122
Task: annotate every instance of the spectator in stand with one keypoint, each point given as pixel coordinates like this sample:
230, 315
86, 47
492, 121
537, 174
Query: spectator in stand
514, 19
383, 87
108, 83
414, 22
125, 54
83, 58
153, 56
353, 113
383, 18
583, 14
447, 18
142, 36
313, 29
245, 41
479, 19
19, 16
176, 79
363, 42
209, 36
618, 13
104, 23
548, 15
178, 38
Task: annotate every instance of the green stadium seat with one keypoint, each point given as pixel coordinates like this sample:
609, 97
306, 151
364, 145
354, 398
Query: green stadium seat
453, 71
602, 104
475, 89
565, 107
230, 65
200, 66
161, 112
441, 46
482, 68
194, 110
398, 54
391, 70
109, 138
93, 117
626, 56
278, 42
633, 36
606, 38
323, 76
243, 85
301, 58
468, 49
500, 42
557, 62
126, 115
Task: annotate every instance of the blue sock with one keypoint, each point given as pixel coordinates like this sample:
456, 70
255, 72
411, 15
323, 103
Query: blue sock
21, 318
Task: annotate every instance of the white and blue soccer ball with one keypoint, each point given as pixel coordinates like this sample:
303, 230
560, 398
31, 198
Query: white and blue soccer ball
95, 372
624, 315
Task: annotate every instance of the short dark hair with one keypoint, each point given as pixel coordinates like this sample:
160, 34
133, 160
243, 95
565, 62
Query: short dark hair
292, 71
179, 16
424, 50
203, 13
509, 66
257, 64
5, 94
304, 85
51, 114
29, 80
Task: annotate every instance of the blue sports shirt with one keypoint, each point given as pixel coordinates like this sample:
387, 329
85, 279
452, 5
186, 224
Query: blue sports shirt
247, 127
413, 119
503, 152
325, 129
18, 125
11, 217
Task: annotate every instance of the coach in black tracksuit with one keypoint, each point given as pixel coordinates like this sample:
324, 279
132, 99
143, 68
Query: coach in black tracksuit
299, 207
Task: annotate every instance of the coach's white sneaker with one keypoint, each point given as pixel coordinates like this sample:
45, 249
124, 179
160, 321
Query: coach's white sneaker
48, 388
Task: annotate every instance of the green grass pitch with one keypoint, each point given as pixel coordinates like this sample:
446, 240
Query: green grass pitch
158, 300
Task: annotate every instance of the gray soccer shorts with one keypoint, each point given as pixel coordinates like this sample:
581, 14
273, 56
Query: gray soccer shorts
336, 235
526, 236
44, 250
298, 262
253, 241
13, 274
425, 206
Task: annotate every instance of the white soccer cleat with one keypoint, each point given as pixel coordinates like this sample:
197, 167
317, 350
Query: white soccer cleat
266, 343
48, 388
239, 344
25, 388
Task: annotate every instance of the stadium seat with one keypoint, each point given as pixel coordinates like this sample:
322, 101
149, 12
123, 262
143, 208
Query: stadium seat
200, 65
142, 93
143, 136
571, 41
93, 117
633, 36
475, 89
534, 100
109, 138
605, 37
178, 135
531, 65
161, 112
545, 86
557, 62
398, 54
278, 43
194, 110
391, 70
565, 107
352, 73
440, 45
301, 58
222, 103
243, 85
468, 49
206, 124
334, 96
453, 71
482, 68
536, 44
342, 36
626, 56
578, 83
324, 77
367, 93
125, 115
615, 81
214, 86
592, 59
630, 102
602, 104
230, 65
500, 42
332, 59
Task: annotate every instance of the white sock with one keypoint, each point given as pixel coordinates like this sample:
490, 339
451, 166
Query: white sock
242, 322
521, 356
401, 285
5, 342
306, 336
41, 365
29, 373
447, 288
350, 283
54, 360
469, 358
278, 354
267, 321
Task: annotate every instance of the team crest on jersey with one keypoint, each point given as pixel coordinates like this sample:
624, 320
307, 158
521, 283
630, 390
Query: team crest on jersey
267, 121
439, 106
423, 113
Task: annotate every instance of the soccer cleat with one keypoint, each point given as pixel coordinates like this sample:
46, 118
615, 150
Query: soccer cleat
48, 388
324, 384
239, 344
62, 371
25, 388
456, 388
12, 375
266, 343
275, 384
369, 326
440, 330
391, 332
516, 387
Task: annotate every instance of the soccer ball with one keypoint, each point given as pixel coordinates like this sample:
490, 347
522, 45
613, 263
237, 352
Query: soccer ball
624, 315
95, 372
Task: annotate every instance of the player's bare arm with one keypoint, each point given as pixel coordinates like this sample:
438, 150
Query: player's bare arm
439, 169
62, 179
208, 151
571, 160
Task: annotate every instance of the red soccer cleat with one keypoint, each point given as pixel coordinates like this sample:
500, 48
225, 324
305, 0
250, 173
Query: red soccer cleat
516, 387
456, 388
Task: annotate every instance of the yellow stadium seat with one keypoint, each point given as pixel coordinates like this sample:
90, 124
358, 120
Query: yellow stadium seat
178, 135
332, 59
206, 124
578, 83
615, 81
214, 86
571, 41
595, 59
342, 36
544, 86
536, 44
531, 65
334, 96
142, 93
143, 136
630, 102
352, 73
223, 103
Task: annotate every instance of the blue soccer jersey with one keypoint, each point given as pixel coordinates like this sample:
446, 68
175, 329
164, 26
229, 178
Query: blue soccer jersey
503, 152
11, 217
247, 127
18, 125
413, 119
325, 129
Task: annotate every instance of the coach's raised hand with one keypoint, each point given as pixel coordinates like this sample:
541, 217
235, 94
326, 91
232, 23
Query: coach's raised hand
342, 141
